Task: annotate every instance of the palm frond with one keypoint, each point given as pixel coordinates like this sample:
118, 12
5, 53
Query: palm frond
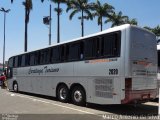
108, 20
72, 14
89, 14
102, 10
58, 10
58, 1
28, 4
24, 3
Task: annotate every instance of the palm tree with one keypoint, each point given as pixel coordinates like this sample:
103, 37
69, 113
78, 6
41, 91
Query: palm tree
131, 21
148, 28
117, 19
28, 7
80, 6
155, 30
59, 11
102, 11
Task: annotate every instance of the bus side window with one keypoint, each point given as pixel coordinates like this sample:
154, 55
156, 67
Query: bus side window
158, 60
74, 51
89, 48
10, 63
16, 61
27, 60
32, 59
47, 56
37, 58
9, 72
23, 61
81, 50
97, 49
43, 56
55, 55
19, 60
10, 68
62, 52
99, 46
110, 45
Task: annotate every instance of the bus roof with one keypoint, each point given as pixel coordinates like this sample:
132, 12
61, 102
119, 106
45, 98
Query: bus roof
158, 47
117, 28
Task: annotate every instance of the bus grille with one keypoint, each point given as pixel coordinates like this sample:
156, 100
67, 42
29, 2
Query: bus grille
103, 88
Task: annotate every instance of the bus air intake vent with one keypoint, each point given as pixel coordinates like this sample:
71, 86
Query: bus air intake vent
103, 88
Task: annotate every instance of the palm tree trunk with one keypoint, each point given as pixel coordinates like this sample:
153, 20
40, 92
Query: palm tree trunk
82, 23
101, 24
26, 29
25, 43
58, 23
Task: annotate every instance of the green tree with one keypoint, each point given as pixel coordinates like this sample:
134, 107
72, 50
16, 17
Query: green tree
80, 6
131, 21
59, 12
102, 10
28, 7
117, 19
148, 28
155, 30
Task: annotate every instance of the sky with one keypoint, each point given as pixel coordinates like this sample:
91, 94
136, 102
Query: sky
145, 12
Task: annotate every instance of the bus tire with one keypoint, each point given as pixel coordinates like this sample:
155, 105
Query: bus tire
63, 93
15, 87
78, 96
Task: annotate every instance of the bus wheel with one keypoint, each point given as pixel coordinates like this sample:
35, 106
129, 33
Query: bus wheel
63, 93
15, 87
78, 96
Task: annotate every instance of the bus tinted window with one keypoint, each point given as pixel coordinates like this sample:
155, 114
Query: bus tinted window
74, 51
32, 58
27, 61
62, 53
111, 45
55, 56
23, 61
10, 63
81, 50
45, 56
158, 58
19, 61
37, 58
102, 46
16, 61
90, 51
48, 56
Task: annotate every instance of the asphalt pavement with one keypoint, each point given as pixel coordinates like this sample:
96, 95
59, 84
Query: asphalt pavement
22, 106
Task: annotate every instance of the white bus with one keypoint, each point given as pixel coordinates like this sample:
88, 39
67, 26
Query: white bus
158, 73
116, 66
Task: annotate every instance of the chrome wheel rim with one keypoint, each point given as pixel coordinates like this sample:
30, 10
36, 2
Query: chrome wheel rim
78, 96
63, 93
15, 87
